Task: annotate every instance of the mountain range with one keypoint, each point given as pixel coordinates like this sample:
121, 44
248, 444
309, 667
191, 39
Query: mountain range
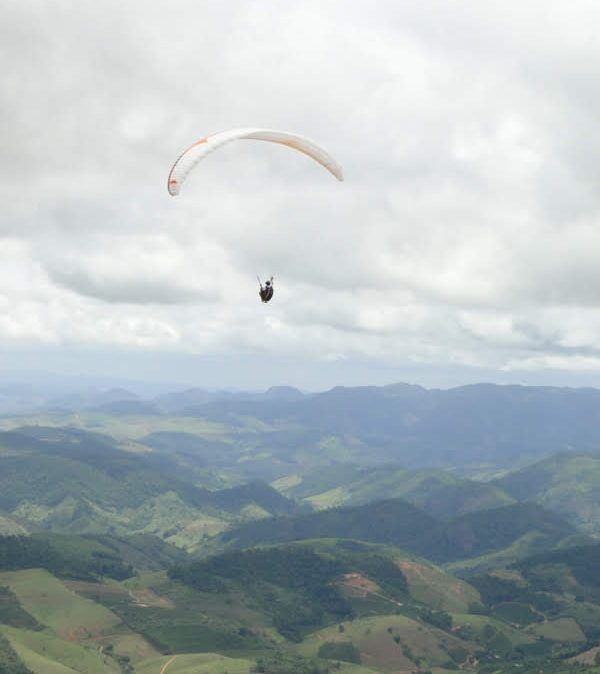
362, 530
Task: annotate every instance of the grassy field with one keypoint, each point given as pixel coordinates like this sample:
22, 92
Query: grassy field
586, 614
329, 499
562, 629
478, 623
520, 548
587, 658
131, 645
122, 640
347, 668
195, 663
46, 654
437, 589
391, 643
179, 619
286, 483
162, 625
52, 604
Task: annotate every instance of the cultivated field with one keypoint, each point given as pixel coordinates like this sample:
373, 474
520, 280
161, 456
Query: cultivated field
52, 604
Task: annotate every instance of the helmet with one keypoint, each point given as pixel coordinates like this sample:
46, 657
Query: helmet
267, 283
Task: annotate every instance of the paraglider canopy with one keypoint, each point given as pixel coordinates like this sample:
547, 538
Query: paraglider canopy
203, 147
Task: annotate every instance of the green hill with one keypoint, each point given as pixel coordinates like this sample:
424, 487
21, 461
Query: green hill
47, 654
72, 481
478, 533
439, 493
78, 558
294, 585
396, 522
554, 595
393, 643
369, 606
97, 583
207, 663
571, 573
141, 551
392, 521
301, 587
236, 601
568, 484
71, 633
257, 493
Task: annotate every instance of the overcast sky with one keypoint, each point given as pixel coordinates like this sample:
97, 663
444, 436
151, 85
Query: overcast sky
463, 245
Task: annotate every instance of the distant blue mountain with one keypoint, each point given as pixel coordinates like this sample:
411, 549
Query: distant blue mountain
477, 424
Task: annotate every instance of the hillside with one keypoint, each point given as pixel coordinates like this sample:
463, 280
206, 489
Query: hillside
73, 481
238, 605
475, 429
107, 501
554, 594
229, 438
568, 484
393, 521
298, 607
573, 571
478, 533
399, 523
439, 493
69, 557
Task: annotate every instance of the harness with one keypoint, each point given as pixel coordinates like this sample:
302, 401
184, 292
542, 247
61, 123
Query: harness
266, 293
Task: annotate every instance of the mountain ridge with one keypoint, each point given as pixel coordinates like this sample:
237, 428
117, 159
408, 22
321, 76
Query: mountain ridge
397, 522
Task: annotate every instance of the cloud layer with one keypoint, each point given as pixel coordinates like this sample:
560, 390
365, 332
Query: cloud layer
467, 231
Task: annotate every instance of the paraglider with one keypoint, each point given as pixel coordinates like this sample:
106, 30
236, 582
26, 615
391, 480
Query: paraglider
203, 147
266, 291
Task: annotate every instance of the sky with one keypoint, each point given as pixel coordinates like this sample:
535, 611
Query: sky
463, 245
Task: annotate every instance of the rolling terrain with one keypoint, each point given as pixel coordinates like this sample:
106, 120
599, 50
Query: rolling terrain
142, 534
316, 606
474, 428
407, 424
439, 493
522, 528
71, 481
568, 484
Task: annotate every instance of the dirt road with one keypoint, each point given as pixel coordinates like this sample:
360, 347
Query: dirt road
164, 669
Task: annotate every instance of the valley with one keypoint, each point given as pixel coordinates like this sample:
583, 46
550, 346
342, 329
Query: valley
269, 533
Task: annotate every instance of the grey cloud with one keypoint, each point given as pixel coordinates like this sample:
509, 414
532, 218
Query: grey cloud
134, 290
142, 269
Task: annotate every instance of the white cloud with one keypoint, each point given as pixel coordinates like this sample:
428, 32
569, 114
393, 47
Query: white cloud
467, 230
